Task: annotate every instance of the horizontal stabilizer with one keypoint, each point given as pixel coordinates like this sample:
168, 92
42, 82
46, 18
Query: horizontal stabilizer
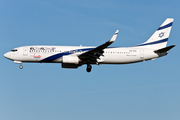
166, 49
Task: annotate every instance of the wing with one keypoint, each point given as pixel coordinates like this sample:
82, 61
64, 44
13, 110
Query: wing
94, 54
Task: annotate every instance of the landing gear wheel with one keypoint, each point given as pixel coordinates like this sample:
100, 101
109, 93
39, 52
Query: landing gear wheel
89, 67
21, 67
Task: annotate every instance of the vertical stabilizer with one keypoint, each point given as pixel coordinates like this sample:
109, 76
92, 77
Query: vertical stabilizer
159, 39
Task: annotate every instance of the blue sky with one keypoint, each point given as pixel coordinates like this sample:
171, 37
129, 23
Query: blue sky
140, 91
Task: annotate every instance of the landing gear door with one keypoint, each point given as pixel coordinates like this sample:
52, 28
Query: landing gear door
25, 51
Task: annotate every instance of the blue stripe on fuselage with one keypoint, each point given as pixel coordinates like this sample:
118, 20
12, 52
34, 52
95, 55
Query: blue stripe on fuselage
59, 55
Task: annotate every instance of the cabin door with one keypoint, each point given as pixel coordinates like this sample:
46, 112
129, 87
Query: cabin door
141, 54
25, 51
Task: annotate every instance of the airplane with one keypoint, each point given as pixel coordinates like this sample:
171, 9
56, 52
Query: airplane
76, 56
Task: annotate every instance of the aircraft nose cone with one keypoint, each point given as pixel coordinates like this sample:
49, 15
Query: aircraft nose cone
6, 55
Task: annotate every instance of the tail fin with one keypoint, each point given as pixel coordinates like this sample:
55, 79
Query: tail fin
159, 39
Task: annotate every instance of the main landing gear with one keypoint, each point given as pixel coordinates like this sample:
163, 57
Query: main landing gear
89, 67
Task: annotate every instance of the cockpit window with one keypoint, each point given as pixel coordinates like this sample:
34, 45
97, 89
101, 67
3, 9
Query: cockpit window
14, 50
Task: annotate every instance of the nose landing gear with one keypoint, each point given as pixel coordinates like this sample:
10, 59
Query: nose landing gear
21, 67
89, 67
19, 62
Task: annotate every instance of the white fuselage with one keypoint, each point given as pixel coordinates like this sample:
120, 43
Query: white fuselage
53, 54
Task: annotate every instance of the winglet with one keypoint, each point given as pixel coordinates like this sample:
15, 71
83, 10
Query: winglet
99, 48
114, 36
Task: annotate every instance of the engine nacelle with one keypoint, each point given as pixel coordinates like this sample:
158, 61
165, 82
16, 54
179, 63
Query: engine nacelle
68, 65
70, 59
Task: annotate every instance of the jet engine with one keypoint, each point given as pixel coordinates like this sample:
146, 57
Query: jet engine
71, 59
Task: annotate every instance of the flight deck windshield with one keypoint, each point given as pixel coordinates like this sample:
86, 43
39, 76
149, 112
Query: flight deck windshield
14, 50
